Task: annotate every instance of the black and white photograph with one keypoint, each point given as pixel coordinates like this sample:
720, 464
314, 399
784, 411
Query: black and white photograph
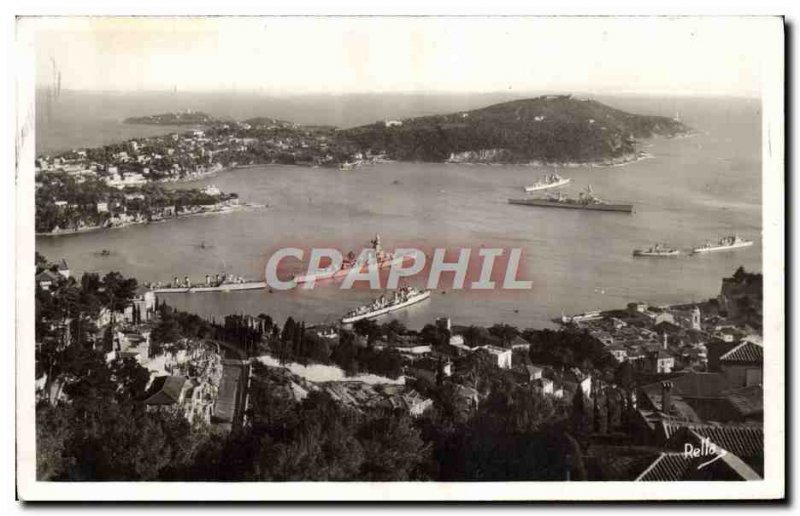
400, 258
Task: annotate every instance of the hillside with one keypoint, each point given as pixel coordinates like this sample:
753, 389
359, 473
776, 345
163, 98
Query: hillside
186, 118
549, 128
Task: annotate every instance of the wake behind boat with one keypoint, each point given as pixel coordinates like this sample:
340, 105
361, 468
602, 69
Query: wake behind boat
401, 298
551, 181
585, 201
727, 243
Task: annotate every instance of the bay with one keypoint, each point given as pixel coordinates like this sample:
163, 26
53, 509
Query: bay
692, 189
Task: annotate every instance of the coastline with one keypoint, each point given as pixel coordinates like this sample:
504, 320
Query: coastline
89, 229
623, 160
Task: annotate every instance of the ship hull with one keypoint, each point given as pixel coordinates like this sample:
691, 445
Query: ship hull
305, 278
543, 203
645, 254
383, 311
227, 287
536, 188
702, 250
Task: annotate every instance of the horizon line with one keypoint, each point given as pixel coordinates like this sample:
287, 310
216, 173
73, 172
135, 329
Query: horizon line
565, 91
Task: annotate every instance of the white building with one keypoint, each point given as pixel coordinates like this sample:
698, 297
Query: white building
212, 190
502, 356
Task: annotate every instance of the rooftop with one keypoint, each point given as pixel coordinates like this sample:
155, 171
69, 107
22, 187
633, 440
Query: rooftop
166, 390
746, 351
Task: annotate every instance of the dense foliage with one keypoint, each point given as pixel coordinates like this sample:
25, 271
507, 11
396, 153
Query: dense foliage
553, 129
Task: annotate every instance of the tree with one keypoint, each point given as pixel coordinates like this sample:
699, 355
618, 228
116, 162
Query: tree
393, 448
53, 431
581, 420
131, 378
367, 328
506, 333
623, 376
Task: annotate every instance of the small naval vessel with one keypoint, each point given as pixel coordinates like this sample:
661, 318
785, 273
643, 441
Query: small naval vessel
658, 251
550, 181
726, 243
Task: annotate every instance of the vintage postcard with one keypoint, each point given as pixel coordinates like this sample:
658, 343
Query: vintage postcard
400, 258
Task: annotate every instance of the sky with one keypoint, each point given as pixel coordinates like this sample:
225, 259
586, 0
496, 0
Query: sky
299, 55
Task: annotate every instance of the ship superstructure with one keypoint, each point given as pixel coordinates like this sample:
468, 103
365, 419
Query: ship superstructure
550, 181
400, 298
726, 243
374, 257
657, 251
213, 283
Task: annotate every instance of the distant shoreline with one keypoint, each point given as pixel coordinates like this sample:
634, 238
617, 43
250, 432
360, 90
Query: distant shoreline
625, 159
89, 229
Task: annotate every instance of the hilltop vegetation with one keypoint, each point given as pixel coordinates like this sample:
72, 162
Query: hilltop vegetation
185, 118
548, 128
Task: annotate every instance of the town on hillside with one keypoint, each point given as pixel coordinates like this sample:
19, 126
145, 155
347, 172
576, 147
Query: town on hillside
637, 394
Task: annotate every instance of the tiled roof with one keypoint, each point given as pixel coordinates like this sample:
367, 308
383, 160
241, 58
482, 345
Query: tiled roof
696, 385
744, 441
714, 409
47, 275
672, 466
747, 400
620, 463
669, 466
519, 341
744, 352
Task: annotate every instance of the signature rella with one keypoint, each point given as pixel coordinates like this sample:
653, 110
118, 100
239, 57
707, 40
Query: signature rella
403, 263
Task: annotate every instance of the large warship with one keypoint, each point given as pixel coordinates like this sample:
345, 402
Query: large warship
215, 283
585, 201
401, 298
376, 257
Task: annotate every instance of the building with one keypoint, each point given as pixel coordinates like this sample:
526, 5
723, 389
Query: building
660, 362
144, 302
743, 365
212, 191
575, 379
63, 268
501, 356
167, 391
520, 343
544, 386
620, 353
47, 279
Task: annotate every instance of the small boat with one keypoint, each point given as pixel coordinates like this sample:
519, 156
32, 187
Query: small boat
657, 250
105, 252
